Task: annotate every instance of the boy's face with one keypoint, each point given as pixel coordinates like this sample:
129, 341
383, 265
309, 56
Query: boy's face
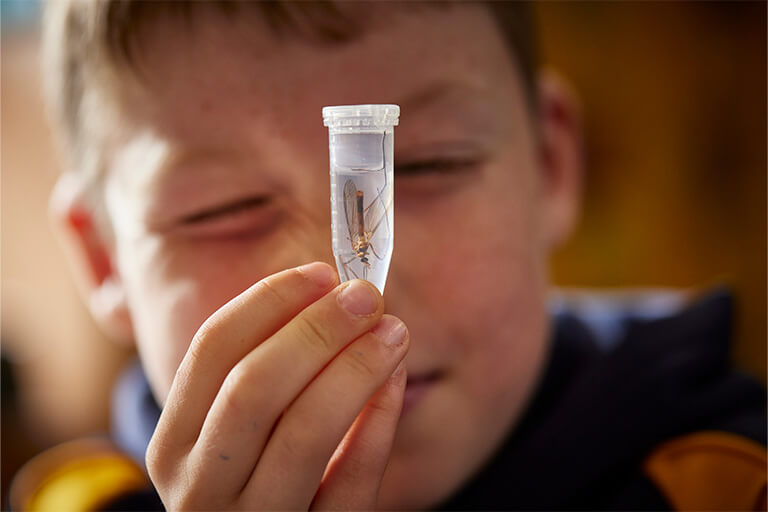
219, 178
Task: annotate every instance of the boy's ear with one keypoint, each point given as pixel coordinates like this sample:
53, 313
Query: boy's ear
561, 156
90, 258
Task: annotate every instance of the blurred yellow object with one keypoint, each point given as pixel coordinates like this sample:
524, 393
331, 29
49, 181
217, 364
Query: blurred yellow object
80, 475
710, 471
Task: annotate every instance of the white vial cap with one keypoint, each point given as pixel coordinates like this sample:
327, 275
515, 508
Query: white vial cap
361, 115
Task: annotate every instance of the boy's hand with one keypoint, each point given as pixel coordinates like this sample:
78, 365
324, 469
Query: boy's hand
270, 387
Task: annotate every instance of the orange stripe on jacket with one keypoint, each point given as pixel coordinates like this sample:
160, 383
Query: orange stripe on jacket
710, 471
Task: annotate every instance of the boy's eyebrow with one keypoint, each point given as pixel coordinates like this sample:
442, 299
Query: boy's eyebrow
438, 93
190, 158
463, 106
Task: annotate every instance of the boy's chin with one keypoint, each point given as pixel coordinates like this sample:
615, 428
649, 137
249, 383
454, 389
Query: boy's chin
414, 484
417, 477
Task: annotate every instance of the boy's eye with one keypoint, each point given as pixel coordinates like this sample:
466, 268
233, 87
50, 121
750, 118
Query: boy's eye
432, 178
434, 167
250, 216
232, 208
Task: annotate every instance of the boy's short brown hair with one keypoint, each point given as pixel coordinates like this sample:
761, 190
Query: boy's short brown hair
89, 41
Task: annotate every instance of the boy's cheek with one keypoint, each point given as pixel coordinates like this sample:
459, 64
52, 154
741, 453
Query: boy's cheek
167, 302
468, 291
468, 255
174, 284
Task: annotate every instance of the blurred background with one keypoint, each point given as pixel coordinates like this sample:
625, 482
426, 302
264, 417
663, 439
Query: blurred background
674, 98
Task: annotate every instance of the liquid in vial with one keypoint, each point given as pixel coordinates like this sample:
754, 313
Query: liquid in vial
363, 224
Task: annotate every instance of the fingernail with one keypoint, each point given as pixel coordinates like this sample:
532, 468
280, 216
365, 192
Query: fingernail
391, 330
359, 298
319, 273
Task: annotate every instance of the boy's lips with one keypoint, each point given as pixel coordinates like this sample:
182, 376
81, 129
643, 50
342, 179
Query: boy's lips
416, 387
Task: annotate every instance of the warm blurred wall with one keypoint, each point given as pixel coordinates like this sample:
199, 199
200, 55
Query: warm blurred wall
674, 95
675, 104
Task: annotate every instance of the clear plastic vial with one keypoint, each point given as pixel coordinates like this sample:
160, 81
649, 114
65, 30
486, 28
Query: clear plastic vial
361, 147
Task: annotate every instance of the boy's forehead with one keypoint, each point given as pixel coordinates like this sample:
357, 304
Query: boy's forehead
238, 66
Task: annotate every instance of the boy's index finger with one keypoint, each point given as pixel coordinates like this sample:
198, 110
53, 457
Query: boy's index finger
255, 314
231, 333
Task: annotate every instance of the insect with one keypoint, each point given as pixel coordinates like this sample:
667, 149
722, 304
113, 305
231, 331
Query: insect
362, 222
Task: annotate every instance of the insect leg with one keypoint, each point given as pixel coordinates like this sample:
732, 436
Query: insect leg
374, 251
345, 266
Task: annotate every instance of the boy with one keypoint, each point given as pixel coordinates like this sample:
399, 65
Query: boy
199, 167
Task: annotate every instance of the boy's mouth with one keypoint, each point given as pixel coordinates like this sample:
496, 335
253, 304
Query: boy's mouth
416, 387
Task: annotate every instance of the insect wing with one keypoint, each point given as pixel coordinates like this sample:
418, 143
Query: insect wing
350, 209
375, 214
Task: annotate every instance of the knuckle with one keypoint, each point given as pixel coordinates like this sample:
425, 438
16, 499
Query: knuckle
237, 385
189, 499
192, 498
184, 371
361, 362
204, 339
299, 443
178, 481
158, 462
190, 491
384, 405
269, 289
153, 461
315, 334
360, 470
293, 445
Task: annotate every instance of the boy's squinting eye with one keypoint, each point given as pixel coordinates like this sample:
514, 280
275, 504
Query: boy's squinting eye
249, 215
434, 177
435, 166
226, 209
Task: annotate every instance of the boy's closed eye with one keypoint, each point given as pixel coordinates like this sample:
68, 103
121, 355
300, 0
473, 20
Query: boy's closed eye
230, 208
424, 177
250, 216
435, 167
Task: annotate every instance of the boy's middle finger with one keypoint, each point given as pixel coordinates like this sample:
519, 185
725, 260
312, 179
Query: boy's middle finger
272, 375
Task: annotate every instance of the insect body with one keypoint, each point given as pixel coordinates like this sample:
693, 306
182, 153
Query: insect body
362, 221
